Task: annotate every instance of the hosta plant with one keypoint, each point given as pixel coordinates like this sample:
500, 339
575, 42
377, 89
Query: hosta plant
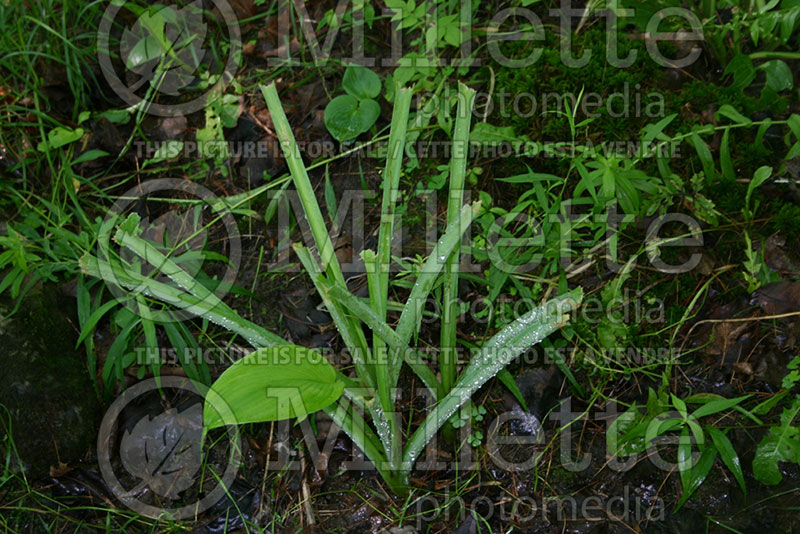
281, 381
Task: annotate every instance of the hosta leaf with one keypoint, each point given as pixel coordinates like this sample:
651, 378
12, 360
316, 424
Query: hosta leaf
146, 49
280, 382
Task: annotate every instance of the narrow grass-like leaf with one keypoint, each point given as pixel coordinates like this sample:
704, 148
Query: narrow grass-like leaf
149, 335
412, 312
380, 263
718, 405
508, 381
377, 325
704, 153
728, 454
220, 314
728, 111
89, 325
725, 162
330, 199
351, 332
455, 200
185, 345
694, 477
364, 438
304, 189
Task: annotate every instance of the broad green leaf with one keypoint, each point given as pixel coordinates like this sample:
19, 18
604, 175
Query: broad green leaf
655, 131
782, 444
789, 19
361, 82
794, 124
615, 437
280, 382
347, 117
779, 75
58, 137
654, 404
146, 49
761, 175
608, 183
486, 133
743, 71
766, 406
660, 426
117, 116
679, 405
761, 132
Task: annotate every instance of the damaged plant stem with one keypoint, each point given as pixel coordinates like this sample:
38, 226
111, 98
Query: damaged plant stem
281, 381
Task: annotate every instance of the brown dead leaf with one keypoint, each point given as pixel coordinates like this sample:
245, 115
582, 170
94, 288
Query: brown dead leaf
725, 335
778, 298
775, 255
60, 471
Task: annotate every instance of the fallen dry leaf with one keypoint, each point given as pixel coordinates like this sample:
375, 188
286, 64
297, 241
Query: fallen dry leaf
778, 298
